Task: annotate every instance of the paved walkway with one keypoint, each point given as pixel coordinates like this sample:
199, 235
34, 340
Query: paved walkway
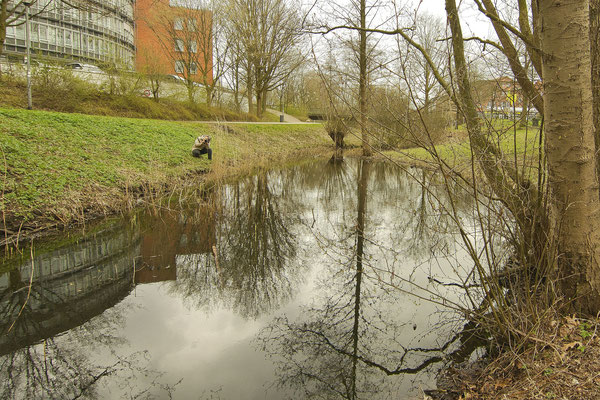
286, 117
289, 119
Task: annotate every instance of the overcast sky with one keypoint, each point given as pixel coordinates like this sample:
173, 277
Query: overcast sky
473, 22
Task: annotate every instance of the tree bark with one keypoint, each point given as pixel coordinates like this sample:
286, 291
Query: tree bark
250, 86
570, 148
259, 103
366, 149
209, 95
3, 23
595, 56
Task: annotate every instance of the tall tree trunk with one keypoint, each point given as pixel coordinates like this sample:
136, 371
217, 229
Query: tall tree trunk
209, 94
570, 148
259, 103
250, 87
363, 80
190, 90
3, 23
595, 56
264, 100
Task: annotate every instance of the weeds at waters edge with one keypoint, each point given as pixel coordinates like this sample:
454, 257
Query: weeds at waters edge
62, 169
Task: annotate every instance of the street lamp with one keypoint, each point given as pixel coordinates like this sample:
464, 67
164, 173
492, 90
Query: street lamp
28, 4
282, 116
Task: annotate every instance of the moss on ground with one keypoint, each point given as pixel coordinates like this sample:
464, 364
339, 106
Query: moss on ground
56, 168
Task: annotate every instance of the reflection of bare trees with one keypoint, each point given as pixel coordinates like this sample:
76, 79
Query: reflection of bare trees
346, 346
55, 369
251, 265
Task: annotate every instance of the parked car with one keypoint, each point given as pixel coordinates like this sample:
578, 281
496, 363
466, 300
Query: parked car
83, 67
175, 78
180, 79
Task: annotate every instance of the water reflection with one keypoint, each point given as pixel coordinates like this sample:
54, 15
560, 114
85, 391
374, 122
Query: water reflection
249, 265
69, 289
68, 286
327, 256
356, 336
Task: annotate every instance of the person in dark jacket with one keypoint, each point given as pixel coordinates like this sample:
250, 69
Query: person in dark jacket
202, 146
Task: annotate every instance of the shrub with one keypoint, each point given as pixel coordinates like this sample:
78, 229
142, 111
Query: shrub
337, 129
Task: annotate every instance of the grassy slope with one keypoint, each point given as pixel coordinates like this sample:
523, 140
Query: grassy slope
80, 97
63, 165
522, 142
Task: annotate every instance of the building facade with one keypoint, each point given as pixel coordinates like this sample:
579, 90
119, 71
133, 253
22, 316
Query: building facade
173, 38
102, 34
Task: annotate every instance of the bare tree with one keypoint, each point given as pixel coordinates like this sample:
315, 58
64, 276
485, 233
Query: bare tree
359, 16
185, 32
153, 70
268, 32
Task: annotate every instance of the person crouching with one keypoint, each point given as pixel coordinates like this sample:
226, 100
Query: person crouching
202, 146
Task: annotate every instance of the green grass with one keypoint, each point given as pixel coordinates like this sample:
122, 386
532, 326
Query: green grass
523, 143
297, 111
54, 166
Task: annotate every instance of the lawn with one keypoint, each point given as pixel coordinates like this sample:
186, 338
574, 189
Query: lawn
58, 166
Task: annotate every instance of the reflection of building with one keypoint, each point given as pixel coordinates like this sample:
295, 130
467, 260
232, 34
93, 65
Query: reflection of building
174, 234
70, 285
167, 41
61, 31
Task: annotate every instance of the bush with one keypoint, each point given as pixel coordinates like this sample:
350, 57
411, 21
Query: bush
58, 89
337, 129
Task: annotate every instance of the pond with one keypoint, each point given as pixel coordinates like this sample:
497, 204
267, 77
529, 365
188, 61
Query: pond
309, 281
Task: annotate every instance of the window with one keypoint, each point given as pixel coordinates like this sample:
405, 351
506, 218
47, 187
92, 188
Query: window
59, 37
34, 32
179, 45
179, 67
52, 34
193, 46
192, 24
43, 33
178, 24
193, 68
20, 32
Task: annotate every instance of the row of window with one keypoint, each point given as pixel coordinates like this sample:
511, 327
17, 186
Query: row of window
180, 67
55, 7
180, 46
190, 24
43, 34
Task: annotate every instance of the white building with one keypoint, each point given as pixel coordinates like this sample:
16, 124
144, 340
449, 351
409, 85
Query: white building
102, 34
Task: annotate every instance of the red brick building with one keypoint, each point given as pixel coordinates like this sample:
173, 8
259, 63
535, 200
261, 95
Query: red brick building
173, 40
500, 98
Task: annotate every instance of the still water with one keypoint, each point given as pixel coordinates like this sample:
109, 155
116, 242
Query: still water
311, 281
